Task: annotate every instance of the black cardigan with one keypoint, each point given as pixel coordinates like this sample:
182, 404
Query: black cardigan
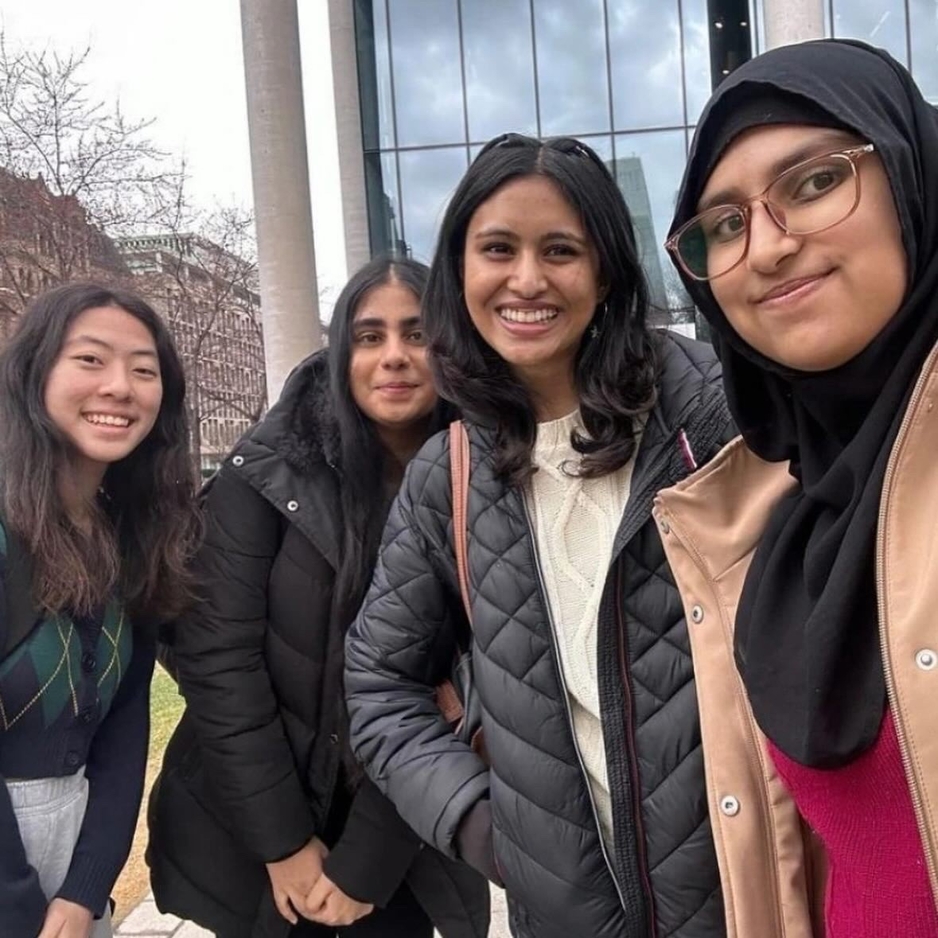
94, 714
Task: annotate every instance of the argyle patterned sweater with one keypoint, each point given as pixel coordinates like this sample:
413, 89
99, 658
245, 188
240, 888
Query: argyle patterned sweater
73, 693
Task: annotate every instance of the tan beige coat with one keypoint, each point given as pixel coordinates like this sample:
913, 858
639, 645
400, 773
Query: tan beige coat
772, 870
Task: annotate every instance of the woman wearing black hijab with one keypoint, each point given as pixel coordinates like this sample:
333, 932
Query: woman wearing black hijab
807, 233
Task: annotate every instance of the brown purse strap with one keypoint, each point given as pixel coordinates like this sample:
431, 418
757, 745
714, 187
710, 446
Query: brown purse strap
459, 470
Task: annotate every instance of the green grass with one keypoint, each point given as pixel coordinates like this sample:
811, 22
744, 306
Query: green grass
166, 706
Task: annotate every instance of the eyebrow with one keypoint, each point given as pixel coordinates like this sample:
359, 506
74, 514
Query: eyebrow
92, 340
376, 322
816, 147
559, 235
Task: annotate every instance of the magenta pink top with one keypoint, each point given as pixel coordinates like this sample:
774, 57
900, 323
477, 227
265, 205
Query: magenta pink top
878, 883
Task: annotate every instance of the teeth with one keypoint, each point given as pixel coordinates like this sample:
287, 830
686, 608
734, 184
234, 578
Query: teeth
107, 420
528, 315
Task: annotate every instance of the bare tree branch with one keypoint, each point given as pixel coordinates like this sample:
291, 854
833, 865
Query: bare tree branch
50, 125
205, 263
75, 173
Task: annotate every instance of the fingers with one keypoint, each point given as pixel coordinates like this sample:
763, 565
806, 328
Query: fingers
339, 910
318, 895
53, 924
282, 901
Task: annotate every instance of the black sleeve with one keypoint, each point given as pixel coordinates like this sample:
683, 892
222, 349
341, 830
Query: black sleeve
223, 673
393, 662
375, 851
22, 902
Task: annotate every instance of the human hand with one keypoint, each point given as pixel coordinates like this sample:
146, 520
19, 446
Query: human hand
66, 919
293, 878
329, 905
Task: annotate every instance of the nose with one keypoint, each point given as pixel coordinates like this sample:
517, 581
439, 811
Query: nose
527, 278
769, 243
394, 353
116, 382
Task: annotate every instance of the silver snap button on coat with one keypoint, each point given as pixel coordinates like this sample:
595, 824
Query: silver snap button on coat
729, 805
927, 659
237, 460
293, 505
697, 614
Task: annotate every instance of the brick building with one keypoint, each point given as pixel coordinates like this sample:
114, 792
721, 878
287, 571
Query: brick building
207, 296
46, 239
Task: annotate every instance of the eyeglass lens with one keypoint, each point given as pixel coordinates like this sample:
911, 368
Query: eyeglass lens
804, 200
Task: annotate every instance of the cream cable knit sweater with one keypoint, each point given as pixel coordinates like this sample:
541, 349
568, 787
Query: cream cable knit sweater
575, 523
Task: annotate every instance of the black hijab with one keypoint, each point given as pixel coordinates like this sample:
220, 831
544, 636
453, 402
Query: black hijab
807, 638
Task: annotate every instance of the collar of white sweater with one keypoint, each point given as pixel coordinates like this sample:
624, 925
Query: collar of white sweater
555, 434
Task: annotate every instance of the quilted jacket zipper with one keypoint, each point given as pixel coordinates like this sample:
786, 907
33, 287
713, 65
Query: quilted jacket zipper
566, 702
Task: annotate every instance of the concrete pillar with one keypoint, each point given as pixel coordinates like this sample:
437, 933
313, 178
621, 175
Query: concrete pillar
348, 122
280, 173
790, 21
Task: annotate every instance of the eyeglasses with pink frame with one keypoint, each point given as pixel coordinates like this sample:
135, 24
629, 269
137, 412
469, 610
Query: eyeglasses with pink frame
852, 155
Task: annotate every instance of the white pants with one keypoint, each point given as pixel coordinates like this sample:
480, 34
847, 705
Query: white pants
49, 812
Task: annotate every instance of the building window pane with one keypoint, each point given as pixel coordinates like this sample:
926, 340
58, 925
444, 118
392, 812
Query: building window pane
499, 49
384, 212
645, 62
923, 28
428, 178
428, 98
696, 56
374, 74
648, 168
572, 77
878, 22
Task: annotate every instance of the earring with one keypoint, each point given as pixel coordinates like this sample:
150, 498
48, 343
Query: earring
595, 330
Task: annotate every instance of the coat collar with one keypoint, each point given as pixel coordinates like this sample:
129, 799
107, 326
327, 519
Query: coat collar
290, 457
731, 497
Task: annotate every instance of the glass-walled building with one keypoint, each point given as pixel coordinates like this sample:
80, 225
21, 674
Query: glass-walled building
907, 29
437, 78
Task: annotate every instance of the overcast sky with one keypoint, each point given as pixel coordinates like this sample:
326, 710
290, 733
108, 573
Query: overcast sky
180, 62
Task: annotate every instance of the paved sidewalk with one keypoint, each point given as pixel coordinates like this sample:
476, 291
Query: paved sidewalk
145, 921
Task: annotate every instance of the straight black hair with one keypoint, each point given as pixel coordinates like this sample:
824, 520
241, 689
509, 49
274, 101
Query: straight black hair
362, 456
614, 372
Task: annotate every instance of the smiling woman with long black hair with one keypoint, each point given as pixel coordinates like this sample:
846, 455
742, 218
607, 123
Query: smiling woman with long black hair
262, 824
592, 809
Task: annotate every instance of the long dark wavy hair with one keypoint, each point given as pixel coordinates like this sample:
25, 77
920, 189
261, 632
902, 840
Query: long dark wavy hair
614, 373
143, 525
363, 458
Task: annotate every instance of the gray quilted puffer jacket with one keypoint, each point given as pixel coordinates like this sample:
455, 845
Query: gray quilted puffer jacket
661, 879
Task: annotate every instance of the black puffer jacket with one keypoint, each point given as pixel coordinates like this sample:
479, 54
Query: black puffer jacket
256, 767
662, 877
